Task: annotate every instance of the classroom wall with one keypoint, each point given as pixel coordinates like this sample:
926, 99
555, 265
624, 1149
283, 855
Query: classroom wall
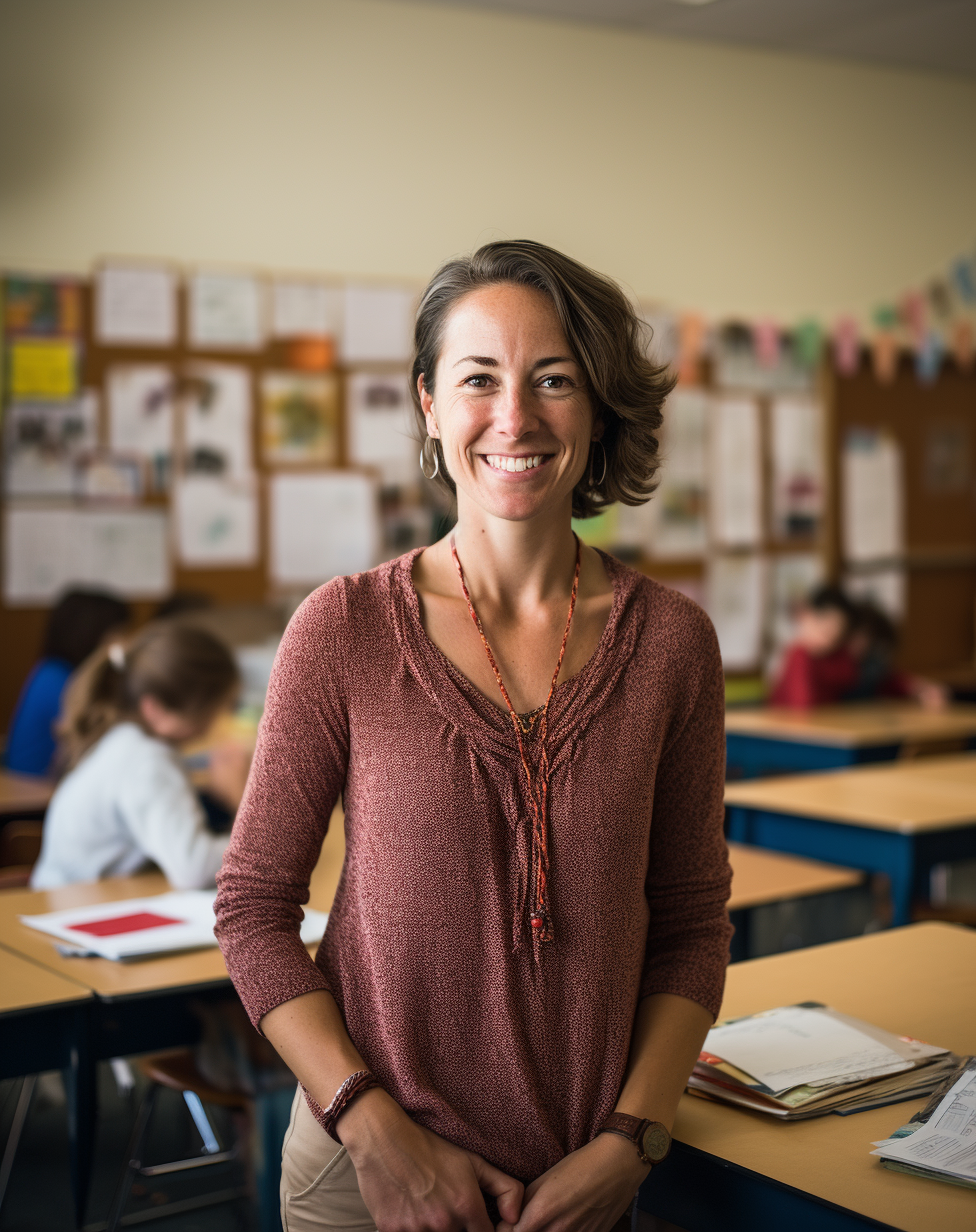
371, 137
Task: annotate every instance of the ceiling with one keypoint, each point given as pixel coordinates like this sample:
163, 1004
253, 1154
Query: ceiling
934, 35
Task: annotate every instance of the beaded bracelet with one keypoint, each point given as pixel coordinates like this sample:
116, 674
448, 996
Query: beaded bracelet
362, 1080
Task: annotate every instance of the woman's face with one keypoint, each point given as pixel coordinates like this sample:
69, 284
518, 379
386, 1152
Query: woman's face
510, 404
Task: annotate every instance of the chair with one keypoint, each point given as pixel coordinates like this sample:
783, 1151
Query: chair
20, 845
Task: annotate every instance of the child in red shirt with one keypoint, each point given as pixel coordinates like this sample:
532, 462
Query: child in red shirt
819, 669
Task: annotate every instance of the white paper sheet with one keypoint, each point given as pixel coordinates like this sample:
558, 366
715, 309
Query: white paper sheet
135, 305
794, 576
322, 525
48, 550
216, 521
946, 1143
677, 509
378, 324
735, 468
886, 588
796, 428
735, 591
872, 496
217, 420
305, 309
793, 1046
42, 441
192, 927
382, 426
140, 400
226, 310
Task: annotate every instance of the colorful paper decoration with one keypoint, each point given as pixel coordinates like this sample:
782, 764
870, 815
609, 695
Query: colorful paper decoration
884, 356
43, 368
808, 340
964, 279
912, 311
847, 346
928, 357
963, 344
766, 340
691, 341
41, 306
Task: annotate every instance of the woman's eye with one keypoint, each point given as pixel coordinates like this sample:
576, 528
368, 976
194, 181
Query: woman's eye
477, 382
555, 382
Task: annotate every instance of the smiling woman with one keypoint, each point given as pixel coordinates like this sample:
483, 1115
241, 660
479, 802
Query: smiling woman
529, 938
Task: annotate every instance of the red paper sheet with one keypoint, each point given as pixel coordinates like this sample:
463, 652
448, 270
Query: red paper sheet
135, 923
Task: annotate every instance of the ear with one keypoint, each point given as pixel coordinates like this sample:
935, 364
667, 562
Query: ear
427, 406
599, 427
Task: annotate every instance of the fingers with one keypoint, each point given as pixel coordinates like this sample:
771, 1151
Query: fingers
505, 1189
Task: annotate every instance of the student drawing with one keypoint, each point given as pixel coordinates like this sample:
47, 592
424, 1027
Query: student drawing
529, 939
125, 799
78, 623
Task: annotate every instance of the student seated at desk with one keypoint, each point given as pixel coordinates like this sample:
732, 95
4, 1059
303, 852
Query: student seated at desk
78, 623
126, 799
819, 668
873, 642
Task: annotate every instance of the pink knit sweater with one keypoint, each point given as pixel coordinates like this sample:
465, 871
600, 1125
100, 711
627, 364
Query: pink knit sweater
424, 953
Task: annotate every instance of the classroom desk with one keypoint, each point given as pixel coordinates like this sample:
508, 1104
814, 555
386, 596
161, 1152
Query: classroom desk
133, 1007
23, 795
898, 819
774, 740
761, 878
742, 1171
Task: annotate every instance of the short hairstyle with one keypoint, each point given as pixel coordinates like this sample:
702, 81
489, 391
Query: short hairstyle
828, 598
608, 340
79, 621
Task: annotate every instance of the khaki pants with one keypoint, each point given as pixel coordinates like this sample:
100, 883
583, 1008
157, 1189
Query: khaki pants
319, 1189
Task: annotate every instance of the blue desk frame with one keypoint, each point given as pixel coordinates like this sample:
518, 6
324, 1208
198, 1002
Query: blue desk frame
701, 1192
906, 859
750, 756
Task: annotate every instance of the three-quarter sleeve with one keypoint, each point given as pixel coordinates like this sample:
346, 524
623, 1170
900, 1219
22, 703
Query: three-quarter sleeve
689, 878
296, 777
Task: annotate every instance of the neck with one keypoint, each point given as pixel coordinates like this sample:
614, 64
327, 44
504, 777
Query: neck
516, 563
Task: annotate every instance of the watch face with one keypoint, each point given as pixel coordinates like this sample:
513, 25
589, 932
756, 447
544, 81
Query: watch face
656, 1142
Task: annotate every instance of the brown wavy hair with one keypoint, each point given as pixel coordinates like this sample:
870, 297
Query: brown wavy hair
186, 669
608, 341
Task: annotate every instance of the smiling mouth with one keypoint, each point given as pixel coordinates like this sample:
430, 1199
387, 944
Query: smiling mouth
523, 462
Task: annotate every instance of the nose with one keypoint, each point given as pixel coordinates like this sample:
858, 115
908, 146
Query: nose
514, 412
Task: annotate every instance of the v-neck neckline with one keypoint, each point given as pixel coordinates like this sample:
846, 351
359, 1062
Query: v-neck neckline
465, 704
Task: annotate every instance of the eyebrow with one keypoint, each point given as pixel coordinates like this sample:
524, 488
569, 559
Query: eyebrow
486, 361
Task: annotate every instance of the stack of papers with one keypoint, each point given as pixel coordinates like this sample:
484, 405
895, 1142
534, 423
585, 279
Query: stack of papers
802, 1061
141, 927
940, 1141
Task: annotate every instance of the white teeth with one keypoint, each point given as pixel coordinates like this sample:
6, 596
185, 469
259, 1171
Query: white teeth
501, 463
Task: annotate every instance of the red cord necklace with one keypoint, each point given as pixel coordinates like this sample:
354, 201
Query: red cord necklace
537, 884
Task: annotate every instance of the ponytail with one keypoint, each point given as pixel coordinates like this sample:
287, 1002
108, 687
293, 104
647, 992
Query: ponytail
187, 669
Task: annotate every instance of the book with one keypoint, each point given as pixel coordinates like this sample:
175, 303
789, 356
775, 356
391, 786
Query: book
939, 1142
801, 1061
143, 927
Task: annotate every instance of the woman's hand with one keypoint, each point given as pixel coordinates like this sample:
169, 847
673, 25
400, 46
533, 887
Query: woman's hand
587, 1191
414, 1181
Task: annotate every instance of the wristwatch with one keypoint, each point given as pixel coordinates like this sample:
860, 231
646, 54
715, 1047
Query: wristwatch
650, 1137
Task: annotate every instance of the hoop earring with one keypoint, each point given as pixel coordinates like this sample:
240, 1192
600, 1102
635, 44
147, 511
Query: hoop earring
594, 483
424, 458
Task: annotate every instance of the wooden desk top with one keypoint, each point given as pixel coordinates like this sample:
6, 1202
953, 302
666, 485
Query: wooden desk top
760, 876
23, 793
26, 986
115, 979
910, 797
916, 981
854, 724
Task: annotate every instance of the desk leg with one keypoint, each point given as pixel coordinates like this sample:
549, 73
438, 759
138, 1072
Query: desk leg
80, 1081
900, 867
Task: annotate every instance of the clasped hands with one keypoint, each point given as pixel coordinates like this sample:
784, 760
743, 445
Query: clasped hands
412, 1180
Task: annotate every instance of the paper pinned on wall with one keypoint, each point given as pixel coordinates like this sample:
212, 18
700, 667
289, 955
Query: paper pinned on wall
794, 576
735, 591
43, 367
378, 324
217, 420
216, 521
304, 309
226, 311
886, 588
140, 401
300, 418
48, 550
735, 466
872, 496
677, 508
42, 441
135, 305
798, 466
322, 525
382, 426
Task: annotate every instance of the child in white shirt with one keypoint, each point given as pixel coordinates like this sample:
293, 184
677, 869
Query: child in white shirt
126, 799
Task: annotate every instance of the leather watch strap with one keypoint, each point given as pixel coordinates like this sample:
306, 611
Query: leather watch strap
634, 1129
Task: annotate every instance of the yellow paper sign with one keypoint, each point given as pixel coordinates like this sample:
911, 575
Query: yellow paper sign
43, 368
